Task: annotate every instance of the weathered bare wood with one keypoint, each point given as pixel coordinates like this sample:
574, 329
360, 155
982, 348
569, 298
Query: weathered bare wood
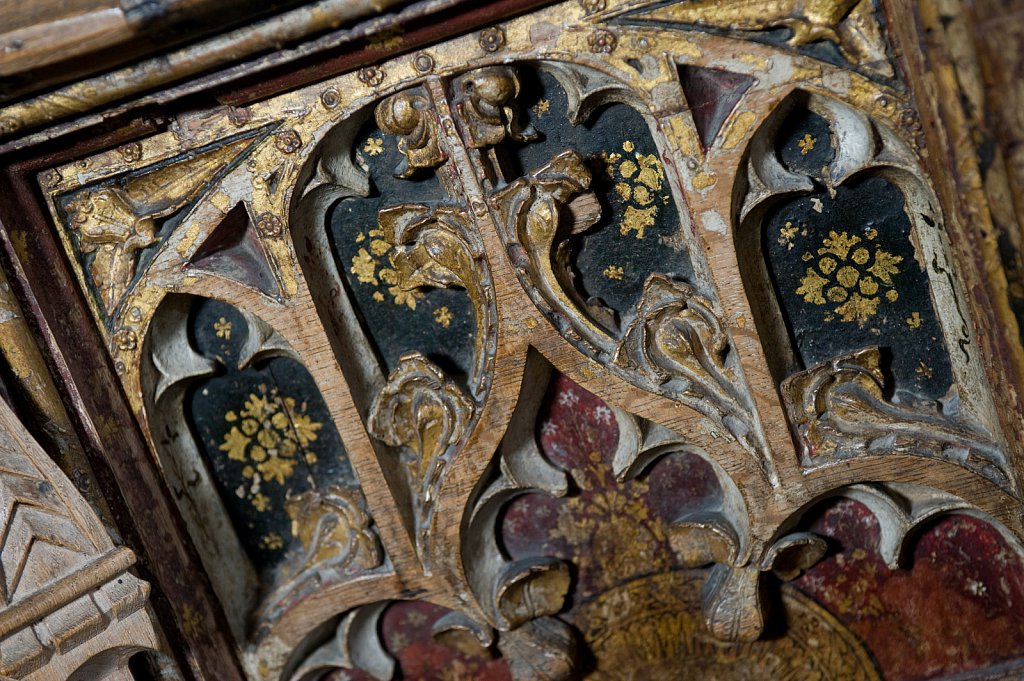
67, 596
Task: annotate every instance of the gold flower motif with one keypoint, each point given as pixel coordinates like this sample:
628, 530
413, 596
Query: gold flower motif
641, 179
271, 541
403, 297
492, 39
602, 41
613, 272
371, 75
364, 266
223, 328
841, 278
443, 316
272, 432
610, 526
305, 429
235, 444
277, 468
787, 234
374, 146
806, 144
288, 141
260, 502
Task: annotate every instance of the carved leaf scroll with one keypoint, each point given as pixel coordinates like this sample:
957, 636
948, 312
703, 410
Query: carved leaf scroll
716, 533
542, 649
839, 410
422, 410
514, 592
678, 342
409, 115
485, 102
355, 645
116, 221
333, 528
438, 247
531, 209
848, 24
733, 599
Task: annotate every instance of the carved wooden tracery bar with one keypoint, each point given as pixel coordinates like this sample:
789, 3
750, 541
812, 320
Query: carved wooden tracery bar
734, 239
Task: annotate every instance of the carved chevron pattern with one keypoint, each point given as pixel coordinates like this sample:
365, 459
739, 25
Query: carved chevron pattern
62, 581
37, 527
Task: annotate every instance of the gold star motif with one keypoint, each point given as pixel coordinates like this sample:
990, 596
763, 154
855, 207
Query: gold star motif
613, 272
807, 143
443, 316
374, 146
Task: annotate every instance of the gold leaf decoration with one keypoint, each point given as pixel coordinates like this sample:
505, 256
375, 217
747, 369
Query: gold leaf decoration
678, 343
839, 410
640, 183
272, 435
423, 411
333, 528
843, 276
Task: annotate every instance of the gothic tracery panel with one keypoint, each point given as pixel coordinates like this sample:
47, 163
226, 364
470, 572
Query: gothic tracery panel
546, 336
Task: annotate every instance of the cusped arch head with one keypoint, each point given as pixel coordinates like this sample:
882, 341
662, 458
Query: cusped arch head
246, 442
725, 512
903, 511
822, 178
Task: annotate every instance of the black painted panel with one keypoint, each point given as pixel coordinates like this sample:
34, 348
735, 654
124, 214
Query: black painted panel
437, 322
265, 431
638, 233
847, 277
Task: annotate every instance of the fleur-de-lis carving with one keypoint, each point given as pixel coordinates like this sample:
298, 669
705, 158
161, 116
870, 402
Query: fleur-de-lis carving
678, 342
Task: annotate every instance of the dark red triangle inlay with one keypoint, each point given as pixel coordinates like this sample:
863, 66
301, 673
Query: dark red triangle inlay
712, 95
234, 251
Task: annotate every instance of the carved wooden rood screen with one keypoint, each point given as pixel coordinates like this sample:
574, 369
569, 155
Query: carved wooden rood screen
606, 341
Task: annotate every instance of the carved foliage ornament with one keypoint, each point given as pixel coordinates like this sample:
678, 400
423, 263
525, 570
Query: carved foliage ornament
408, 115
473, 214
839, 410
850, 25
422, 410
679, 342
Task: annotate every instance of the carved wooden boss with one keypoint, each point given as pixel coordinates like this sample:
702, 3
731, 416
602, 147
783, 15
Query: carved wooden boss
334, 311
